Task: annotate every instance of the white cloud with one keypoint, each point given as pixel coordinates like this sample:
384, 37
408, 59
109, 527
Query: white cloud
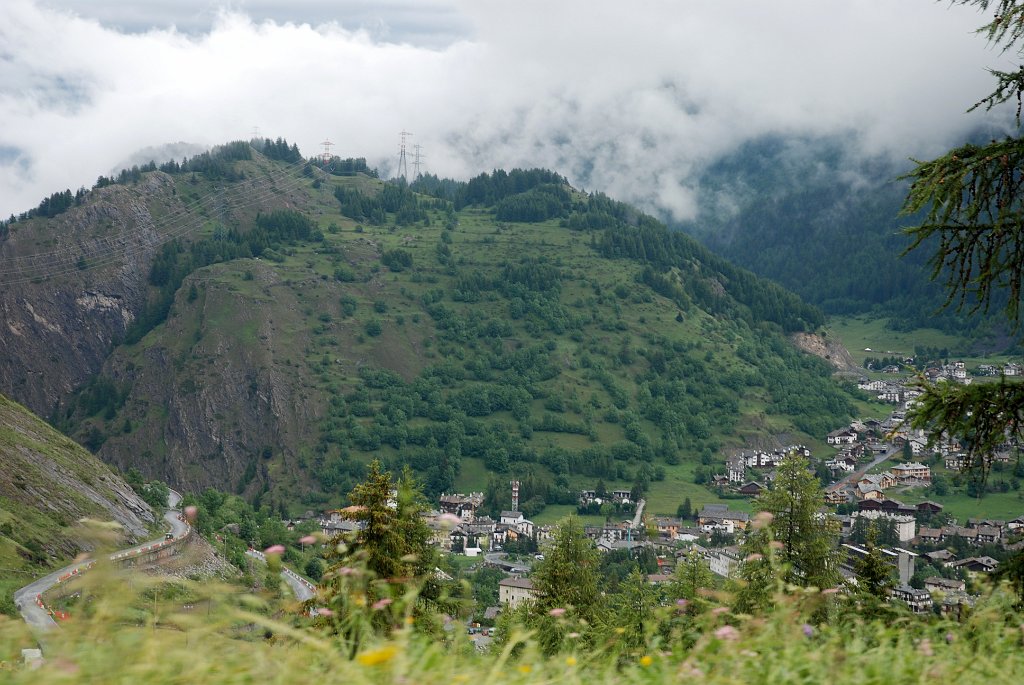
626, 100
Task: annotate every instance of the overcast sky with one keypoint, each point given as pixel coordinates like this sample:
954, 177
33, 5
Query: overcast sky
629, 98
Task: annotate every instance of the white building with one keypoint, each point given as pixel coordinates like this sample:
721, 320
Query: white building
513, 591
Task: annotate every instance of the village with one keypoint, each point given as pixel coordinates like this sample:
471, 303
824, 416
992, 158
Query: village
936, 560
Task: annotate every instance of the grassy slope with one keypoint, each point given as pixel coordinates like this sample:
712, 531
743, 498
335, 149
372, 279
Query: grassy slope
40, 499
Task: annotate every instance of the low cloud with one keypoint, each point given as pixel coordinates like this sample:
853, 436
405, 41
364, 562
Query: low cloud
631, 101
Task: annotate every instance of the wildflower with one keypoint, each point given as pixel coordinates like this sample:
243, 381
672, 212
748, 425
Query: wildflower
409, 620
681, 603
775, 544
573, 635
449, 520
190, 512
808, 630
830, 591
646, 660
925, 647
307, 540
570, 661
762, 519
727, 633
950, 637
346, 571
381, 603
718, 611
525, 668
754, 557
557, 612
274, 549
376, 657
620, 630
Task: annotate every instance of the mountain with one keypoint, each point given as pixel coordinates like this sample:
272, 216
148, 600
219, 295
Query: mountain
251, 321
824, 221
47, 484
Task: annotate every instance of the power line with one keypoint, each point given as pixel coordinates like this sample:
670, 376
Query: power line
417, 160
182, 223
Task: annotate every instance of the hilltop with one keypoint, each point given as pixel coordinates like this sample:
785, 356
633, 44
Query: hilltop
250, 321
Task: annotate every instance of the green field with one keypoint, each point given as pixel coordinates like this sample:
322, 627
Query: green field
864, 332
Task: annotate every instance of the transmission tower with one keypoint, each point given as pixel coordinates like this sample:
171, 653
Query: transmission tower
403, 163
417, 160
256, 132
325, 156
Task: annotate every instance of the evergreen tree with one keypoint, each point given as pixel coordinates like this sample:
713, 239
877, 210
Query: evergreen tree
758, 579
809, 537
634, 609
566, 580
972, 200
874, 575
692, 575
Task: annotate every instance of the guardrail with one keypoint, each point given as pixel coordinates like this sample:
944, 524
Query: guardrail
117, 557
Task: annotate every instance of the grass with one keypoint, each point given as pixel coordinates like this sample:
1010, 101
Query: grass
997, 505
241, 638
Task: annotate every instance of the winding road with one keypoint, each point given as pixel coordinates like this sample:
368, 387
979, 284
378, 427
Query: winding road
25, 598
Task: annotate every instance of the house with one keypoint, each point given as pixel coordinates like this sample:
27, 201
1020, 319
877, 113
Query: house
668, 527
955, 462
976, 564
514, 591
736, 468
938, 584
722, 561
929, 507
1015, 523
463, 506
919, 601
719, 516
843, 436
751, 489
930, 536
837, 494
867, 491
905, 525
940, 557
911, 472
882, 481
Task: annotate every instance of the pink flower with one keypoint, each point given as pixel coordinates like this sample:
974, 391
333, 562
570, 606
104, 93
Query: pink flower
274, 549
449, 520
830, 591
190, 512
381, 603
718, 611
925, 647
808, 630
727, 633
681, 603
950, 637
307, 540
346, 571
324, 611
557, 612
754, 557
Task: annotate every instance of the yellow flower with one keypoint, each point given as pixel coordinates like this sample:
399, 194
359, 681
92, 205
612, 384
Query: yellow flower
525, 668
620, 630
375, 657
646, 660
570, 661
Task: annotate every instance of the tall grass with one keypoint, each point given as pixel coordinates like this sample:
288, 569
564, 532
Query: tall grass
144, 632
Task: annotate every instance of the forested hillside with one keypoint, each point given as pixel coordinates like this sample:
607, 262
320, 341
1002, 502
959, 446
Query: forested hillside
508, 326
825, 222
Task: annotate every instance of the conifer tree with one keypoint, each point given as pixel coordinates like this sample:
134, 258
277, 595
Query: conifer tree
972, 200
809, 537
757, 576
692, 575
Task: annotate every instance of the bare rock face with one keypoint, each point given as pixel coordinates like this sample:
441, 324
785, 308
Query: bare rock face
214, 401
70, 287
829, 349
